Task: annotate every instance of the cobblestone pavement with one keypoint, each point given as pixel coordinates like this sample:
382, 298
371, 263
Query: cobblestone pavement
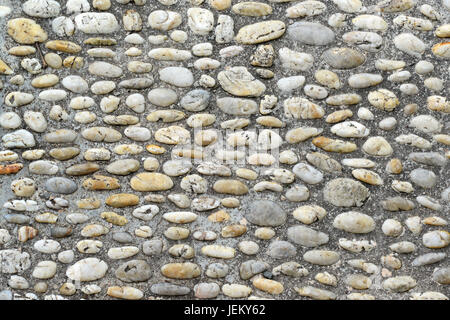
224, 149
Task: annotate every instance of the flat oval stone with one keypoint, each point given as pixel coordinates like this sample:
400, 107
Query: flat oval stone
105, 69
180, 217
99, 182
410, 44
218, 251
344, 192
134, 271
151, 181
236, 106
26, 31
41, 8
186, 270
239, 82
428, 258
47, 246
122, 200
64, 153
168, 289
122, 252
377, 146
205, 290
321, 257
310, 33
281, 250
162, 97
370, 22
442, 275
101, 134
123, 167
399, 284
176, 76
306, 237
195, 100
82, 169
229, 186
423, 178
235, 290
128, 293
89, 269
269, 286
60, 185
343, 58
364, 80
307, 173
436, 239
354, 222
368, 41
96, 22
261, 32
44, 270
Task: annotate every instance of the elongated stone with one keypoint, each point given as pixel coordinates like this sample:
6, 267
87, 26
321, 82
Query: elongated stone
310, 33
354, 222
261, 32
218, 251
185, 270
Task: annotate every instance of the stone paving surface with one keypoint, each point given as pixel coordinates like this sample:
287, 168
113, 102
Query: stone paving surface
224, 149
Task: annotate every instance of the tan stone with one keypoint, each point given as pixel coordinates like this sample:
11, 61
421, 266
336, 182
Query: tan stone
63, 46
98, 182
252, 9
220, 4
233, 231
82, 169
438, 103
247, 174
73, 62
151, 181
46, 217
367, 176
114, 218
26, 31
334, 145
177, 233
301, 134
270, 121
219, 216
154, 149
185, 270
339, 116
45, 81
88, 204
269, 286
22, 50
94, 230
383, 99
394, 166
261, 32
128, 293
121, 200
229, 186
230, 202
218, 251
